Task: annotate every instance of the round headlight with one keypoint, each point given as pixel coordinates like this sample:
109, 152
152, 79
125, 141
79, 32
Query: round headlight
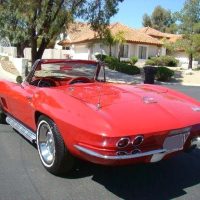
138, 140
123, 142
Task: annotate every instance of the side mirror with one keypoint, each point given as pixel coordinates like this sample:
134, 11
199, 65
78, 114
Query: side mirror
19, 79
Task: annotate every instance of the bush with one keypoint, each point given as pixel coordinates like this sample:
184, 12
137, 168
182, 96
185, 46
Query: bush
111, 62
164, 74
169, 61
133, 60
127, 69
101, 57
114, 64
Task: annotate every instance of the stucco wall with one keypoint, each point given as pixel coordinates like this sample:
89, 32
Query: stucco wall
88, 51
132, 50
154, 51
183, 60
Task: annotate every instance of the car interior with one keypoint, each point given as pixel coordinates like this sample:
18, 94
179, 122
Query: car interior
60, 74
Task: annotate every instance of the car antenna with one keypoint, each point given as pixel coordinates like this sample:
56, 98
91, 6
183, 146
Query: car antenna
100, 63
99, 100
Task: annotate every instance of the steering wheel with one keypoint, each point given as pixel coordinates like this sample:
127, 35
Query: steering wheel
44, 82
79, 80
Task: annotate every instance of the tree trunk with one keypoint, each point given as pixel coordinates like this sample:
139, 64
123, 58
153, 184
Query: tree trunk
42, 47
119, 51
37, 54
190, 61
20, 50
110, 49
33, 50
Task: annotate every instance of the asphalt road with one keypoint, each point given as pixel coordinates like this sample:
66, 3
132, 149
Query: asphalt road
22, 176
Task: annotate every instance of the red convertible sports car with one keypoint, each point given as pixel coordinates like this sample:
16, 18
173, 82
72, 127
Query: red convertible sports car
69, 110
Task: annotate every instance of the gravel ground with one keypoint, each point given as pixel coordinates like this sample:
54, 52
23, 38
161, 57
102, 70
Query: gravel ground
9, 67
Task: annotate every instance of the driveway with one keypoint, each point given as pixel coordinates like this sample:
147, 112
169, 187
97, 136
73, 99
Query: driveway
23, 177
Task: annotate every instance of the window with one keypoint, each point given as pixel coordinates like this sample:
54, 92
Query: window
66, 48
124, 51
142, 52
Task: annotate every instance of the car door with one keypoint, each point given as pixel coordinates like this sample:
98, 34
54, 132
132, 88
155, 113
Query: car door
21, 104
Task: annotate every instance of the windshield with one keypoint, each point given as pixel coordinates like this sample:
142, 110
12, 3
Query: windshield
67, 69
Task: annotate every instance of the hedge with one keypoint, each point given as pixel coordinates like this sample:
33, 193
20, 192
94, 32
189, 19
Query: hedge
169, 61
164, 74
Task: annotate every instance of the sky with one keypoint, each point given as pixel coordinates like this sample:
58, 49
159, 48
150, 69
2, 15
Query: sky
131, 11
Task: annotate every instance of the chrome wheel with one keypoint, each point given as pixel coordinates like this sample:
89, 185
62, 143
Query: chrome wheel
46, 143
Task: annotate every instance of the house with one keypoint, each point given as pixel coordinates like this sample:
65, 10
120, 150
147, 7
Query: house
160, 35
84, 43
179, 54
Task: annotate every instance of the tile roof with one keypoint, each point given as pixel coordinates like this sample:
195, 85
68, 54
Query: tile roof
81, 32
158, 34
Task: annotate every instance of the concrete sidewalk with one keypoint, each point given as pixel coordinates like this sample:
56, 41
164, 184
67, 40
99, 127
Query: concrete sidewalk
6, 75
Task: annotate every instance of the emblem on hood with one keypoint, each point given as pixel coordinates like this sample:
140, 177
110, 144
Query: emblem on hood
196, 109
149, 100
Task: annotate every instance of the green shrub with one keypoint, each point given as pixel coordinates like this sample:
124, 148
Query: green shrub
169, 61
101, 57
127, 69
150, 62
164, 74
111, 62
133, 60
114, 64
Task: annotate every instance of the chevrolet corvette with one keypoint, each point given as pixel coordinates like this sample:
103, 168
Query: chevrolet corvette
70, 111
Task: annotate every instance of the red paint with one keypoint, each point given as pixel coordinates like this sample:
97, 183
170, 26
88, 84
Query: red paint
122, 112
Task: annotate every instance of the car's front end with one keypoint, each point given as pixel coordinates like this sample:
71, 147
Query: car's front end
138, 124
151, 147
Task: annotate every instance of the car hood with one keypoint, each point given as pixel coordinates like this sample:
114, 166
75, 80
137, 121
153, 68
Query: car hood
144, 108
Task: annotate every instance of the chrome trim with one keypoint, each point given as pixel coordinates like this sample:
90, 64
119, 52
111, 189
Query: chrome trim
158, 157
46, 143
129, 141
180, 131
124, 157
136, 138
27, 133
196, 109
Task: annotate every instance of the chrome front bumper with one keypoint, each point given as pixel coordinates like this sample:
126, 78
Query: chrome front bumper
171, 144
157, 155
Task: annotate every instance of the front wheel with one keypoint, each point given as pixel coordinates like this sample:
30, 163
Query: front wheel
52, 151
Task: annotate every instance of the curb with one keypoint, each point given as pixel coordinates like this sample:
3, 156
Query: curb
183, 84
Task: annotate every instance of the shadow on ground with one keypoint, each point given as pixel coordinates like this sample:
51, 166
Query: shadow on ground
164, 180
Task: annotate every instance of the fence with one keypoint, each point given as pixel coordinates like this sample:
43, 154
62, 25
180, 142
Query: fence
49, 54
10, 51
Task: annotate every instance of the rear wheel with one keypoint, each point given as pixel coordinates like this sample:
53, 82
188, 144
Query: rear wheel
52, 151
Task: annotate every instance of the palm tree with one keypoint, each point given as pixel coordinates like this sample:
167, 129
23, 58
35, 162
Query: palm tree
120, 40
109, 40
